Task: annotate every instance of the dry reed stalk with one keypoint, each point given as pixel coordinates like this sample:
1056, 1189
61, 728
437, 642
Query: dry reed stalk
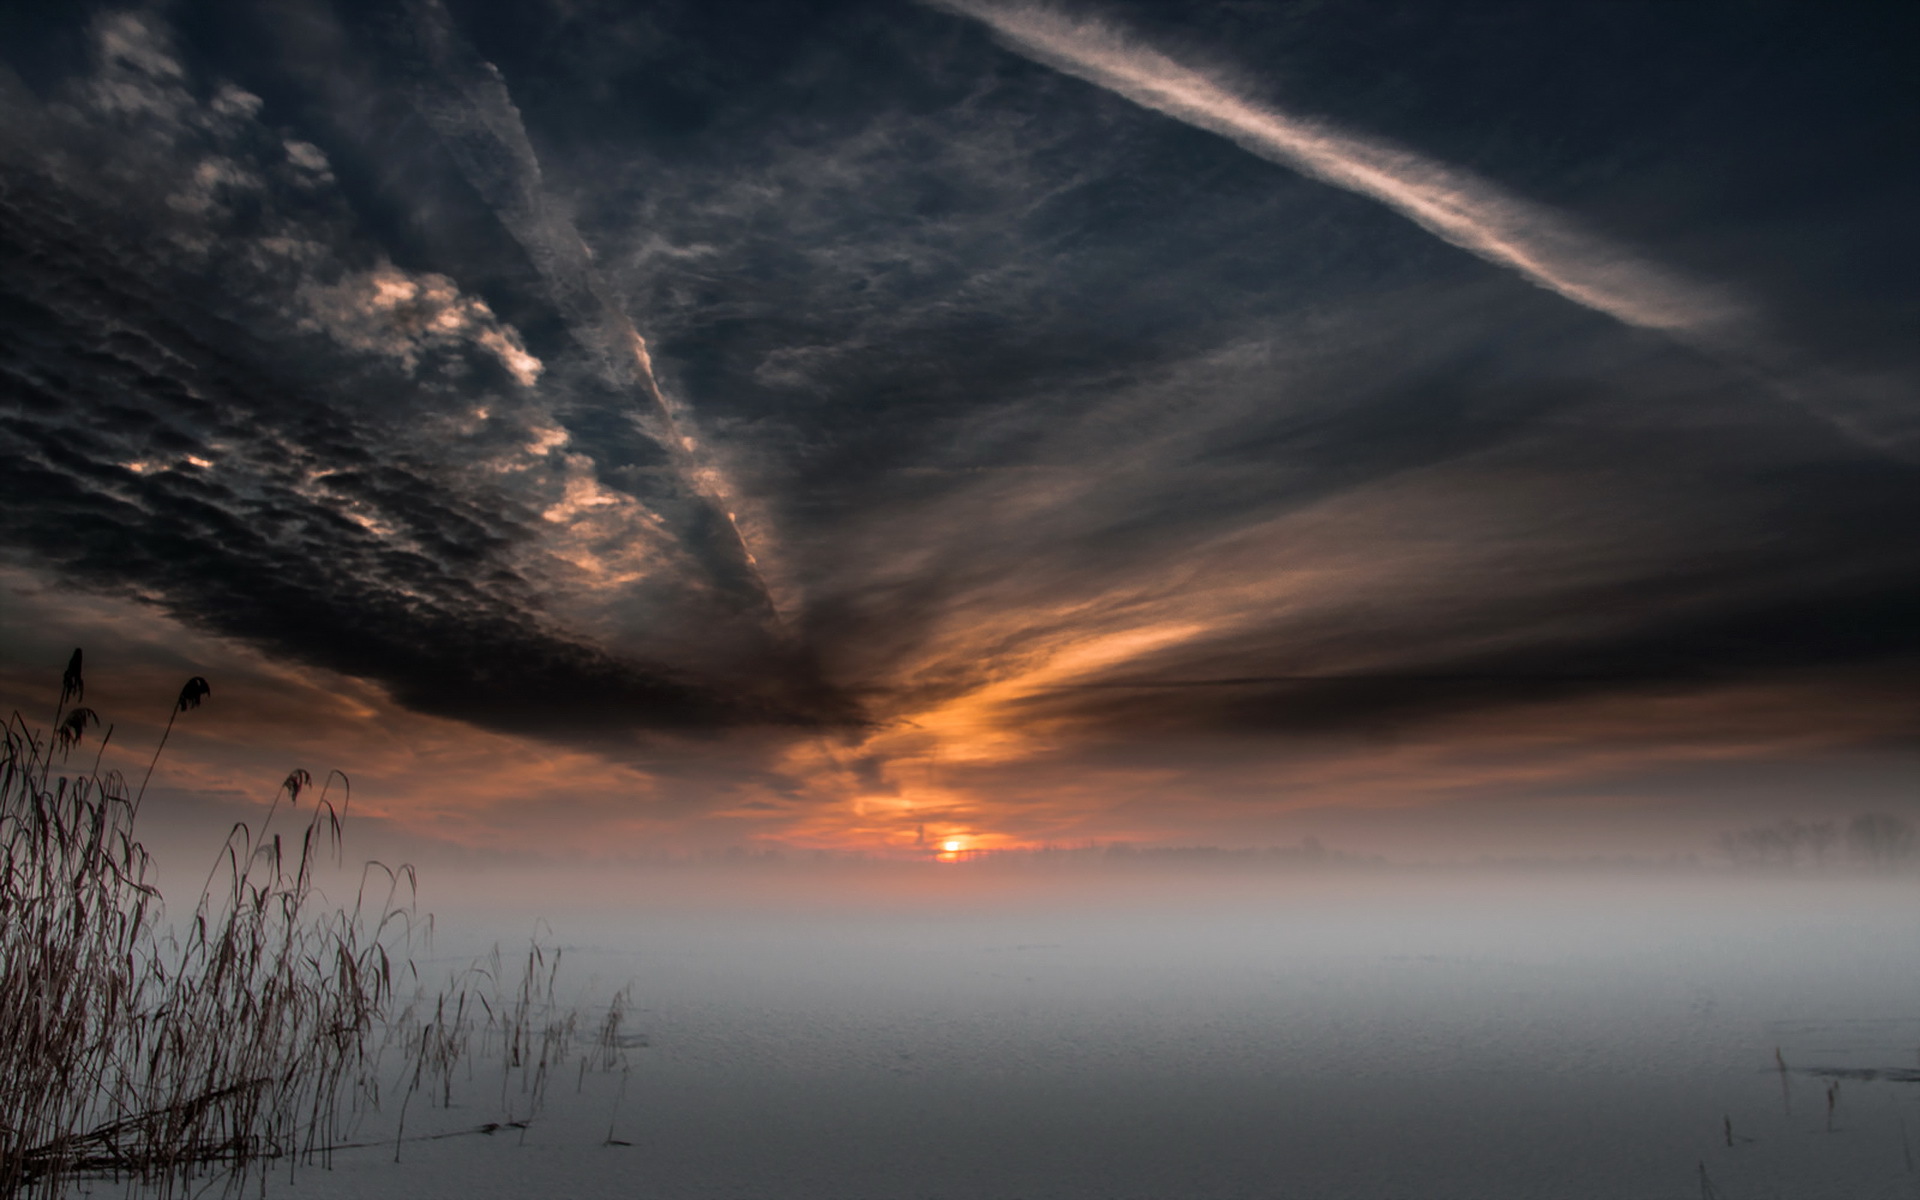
256, 1036
131, 1051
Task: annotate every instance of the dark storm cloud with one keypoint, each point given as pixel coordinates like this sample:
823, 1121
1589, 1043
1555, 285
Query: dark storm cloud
1767, 637
1490, 540
224, 399
1015, 406
1001, 473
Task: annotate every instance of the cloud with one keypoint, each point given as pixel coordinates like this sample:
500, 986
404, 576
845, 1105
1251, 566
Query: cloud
1468, 212
1271, 546
226, 399
1107, 465
441, 778
386, 310
1545, 247
466, 101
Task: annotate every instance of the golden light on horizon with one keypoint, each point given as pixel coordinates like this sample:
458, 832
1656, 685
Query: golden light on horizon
953, 845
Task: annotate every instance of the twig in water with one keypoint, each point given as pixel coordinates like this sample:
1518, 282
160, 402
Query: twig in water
614, 1117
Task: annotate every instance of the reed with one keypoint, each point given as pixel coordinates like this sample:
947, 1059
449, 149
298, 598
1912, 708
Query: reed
168, 1055
255, 1031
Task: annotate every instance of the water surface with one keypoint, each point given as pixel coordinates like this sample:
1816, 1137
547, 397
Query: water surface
1116, 1034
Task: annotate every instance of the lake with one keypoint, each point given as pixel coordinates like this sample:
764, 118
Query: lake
968, 1032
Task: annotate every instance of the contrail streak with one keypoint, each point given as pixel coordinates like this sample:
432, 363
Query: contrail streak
1452, 204
1458, 207
466, 102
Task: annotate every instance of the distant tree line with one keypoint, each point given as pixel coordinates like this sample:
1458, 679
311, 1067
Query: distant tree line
1877, 840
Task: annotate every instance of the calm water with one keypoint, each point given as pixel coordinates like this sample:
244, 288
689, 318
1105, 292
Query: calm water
1163, 1036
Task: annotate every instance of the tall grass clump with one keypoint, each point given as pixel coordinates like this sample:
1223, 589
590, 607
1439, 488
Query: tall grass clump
172, 1056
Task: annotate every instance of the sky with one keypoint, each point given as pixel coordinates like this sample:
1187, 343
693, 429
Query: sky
629, 429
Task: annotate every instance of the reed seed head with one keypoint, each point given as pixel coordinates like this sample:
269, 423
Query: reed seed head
74, 727
72, 685
192, 692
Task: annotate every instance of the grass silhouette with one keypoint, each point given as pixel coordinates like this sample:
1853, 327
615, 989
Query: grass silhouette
256, 1032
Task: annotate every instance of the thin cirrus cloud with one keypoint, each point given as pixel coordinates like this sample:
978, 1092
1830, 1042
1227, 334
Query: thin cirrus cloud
1541, 246
1455, 206
465, 100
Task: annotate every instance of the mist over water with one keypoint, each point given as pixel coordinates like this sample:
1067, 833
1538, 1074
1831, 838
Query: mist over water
979, 1031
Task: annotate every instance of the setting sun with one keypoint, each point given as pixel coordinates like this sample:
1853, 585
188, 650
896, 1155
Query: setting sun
953, 845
